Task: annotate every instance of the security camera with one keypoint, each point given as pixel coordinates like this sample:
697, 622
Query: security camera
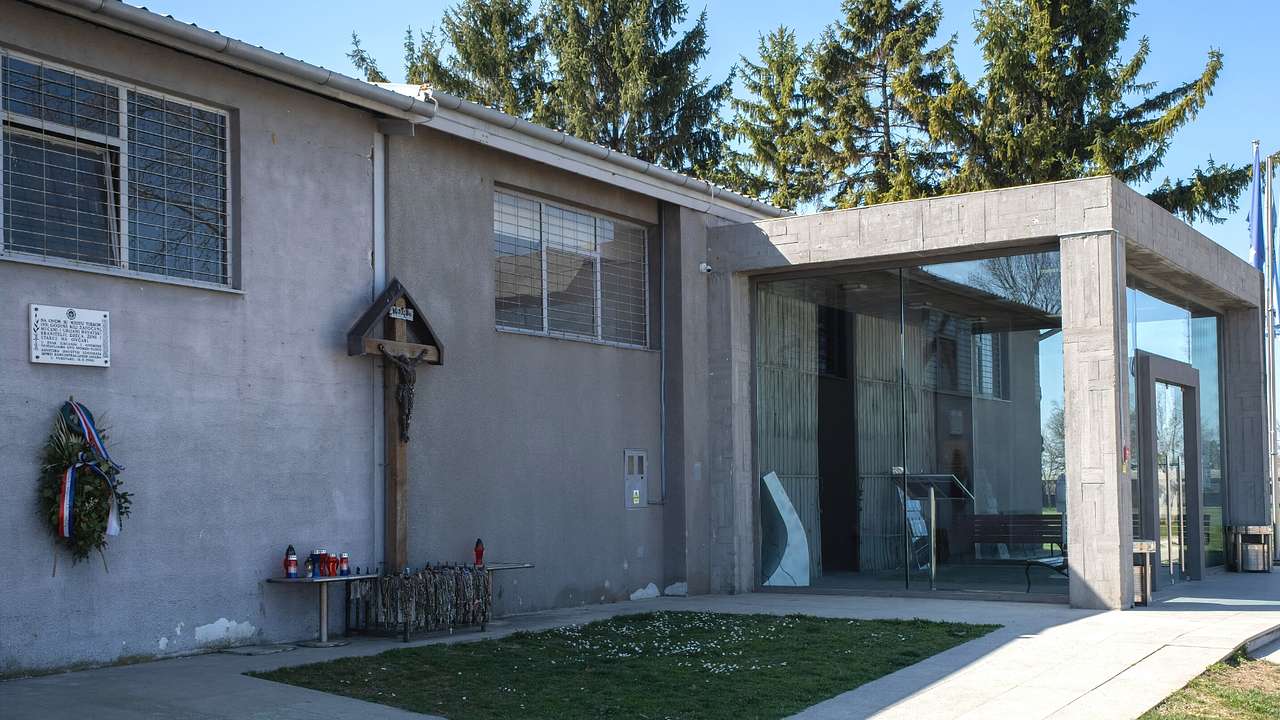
704, 267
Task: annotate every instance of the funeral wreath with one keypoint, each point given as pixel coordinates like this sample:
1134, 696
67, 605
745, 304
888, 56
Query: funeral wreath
80, 497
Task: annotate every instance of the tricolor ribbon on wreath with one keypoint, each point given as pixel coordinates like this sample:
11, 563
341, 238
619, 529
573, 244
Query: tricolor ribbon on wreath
80, 420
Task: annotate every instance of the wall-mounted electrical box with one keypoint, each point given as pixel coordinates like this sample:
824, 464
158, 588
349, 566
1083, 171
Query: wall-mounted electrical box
634, 470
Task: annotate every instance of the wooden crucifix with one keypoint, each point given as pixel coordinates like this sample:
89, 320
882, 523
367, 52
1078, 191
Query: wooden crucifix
395, 329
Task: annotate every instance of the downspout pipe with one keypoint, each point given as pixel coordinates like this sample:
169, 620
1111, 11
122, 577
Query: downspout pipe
377, 489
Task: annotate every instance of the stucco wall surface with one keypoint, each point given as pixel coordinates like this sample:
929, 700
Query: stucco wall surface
241, 422
517, 439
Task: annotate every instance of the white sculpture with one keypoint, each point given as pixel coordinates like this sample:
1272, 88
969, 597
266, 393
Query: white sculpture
785, 547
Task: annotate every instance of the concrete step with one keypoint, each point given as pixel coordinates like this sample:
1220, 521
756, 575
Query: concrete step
1269, 651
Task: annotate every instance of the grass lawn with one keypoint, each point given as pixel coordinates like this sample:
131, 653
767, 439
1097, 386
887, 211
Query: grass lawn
654, 665
1238, 689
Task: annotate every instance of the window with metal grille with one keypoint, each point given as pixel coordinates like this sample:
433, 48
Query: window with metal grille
569, 273
97, 171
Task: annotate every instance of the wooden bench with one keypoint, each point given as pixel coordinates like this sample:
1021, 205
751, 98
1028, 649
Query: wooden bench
1024, 529
1057, 564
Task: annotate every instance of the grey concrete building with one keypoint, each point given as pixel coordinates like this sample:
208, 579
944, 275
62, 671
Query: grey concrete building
235, 211
629, 352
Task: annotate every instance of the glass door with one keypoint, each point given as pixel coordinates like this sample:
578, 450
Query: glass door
1169, 466
1171, 496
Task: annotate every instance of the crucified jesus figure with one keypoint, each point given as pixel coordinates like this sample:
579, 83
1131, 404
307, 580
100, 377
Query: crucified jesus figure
407, 372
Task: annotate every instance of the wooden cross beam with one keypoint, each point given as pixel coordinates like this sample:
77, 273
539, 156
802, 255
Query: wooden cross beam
394, 329
397, 468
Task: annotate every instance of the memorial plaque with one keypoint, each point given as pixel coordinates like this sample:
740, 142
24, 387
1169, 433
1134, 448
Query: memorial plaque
70, 336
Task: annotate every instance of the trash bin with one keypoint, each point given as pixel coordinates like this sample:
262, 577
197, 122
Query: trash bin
1143, 550
1251, 548
1255, 558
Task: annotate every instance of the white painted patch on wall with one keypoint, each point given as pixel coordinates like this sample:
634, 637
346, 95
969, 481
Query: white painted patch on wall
164, 643
224, 631
677, 588
178, 630
646, 592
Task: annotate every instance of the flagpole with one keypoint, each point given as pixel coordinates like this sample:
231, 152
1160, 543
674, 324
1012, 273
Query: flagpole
1269, 238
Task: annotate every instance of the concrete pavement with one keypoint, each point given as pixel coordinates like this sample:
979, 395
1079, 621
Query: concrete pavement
1066, 663
1047, 660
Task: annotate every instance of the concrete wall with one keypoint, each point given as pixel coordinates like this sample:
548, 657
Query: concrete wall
1095, 364
687, 525
242, 424
518, 439
906, 232
1245, 429
1180, 264
734, 489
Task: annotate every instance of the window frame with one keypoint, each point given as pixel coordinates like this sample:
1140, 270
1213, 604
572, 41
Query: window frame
597, 259
117, 203
117, 149
996, 371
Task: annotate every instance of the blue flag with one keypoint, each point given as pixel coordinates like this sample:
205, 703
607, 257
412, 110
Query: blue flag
1257, 245
1275, 272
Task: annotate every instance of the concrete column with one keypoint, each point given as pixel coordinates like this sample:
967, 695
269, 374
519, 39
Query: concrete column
1095, 365
687, 515
730, 471
1245, 432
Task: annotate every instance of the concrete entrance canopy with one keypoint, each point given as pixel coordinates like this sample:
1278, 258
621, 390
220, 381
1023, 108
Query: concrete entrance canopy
1109, 238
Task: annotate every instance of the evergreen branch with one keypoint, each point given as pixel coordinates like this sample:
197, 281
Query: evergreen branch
1207, 195
364, 62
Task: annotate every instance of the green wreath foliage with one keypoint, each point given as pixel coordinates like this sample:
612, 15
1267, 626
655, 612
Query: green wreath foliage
91, 504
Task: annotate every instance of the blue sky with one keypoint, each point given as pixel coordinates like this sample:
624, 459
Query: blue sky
1245, 106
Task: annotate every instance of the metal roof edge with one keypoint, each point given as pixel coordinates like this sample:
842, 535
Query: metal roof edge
496, 122
214, 46
229, 51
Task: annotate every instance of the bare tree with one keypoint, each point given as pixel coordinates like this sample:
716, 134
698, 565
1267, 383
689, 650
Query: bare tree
1053, 448
1032, 280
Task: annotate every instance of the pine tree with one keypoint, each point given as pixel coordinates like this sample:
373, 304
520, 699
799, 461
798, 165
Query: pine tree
364, 62
488, 51
1057, 101
875, 79
773, 126
626, 78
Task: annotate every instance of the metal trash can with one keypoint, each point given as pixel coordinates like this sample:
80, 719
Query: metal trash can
1251, 548
1143, 550
1254, 557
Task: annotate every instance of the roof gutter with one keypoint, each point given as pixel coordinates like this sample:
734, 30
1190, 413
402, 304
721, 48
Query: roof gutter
513, 134
602, 153
412, 105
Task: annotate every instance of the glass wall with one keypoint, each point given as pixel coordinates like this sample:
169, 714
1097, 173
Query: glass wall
914, 417
1178, 333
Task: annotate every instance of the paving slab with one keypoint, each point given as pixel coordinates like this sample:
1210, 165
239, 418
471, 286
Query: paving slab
1066, 663
1046, 661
